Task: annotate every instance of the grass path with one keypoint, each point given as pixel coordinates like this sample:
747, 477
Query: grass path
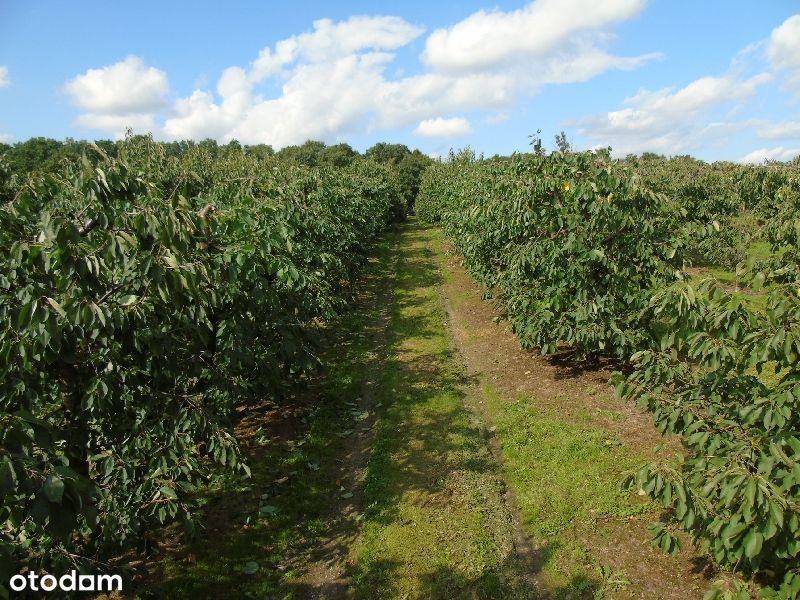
437, 522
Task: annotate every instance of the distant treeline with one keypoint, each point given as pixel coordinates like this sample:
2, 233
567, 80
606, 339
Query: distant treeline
40, 154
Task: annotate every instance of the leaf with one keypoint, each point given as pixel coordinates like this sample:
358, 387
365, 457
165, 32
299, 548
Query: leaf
250, 568
53, 488
101, 316
24, 313
168, 492
128, 300
171, 260
347, 495
267, 509
597, 253
56, 307
8, 478
753, 542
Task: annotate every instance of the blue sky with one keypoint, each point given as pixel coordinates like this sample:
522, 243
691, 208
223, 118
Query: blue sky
715, 79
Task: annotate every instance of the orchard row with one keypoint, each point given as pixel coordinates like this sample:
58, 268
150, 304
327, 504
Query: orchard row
589, 253
142, 298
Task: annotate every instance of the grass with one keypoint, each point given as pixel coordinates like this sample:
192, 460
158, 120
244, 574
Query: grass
758, 250
436, 522
566, 478
436, 525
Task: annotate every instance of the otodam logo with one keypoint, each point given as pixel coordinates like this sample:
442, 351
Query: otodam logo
69, 582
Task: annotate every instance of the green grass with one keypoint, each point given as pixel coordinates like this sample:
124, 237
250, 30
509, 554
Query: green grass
566, 477
436, 525
758, 250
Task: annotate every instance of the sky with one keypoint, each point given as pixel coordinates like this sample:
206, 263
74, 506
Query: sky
717, 79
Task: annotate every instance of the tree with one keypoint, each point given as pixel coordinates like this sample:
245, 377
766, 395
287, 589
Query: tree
387, 153
35, 154
210, 146
338, 155
536, 143
410, 170
308, 154
562, 143
259, 150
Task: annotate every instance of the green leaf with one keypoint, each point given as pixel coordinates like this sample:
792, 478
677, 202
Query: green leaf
128, 300
752, 543
171, 260
53, 488
56, 307
101, 315
597, 253
8, 478
250, 568
168, 492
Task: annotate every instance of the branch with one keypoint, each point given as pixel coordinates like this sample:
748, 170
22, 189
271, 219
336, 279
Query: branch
87, 227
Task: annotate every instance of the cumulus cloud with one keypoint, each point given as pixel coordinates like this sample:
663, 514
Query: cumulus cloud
332, 40
671, 121
332, 80
784, 44
441, 127
763, 154
126, 87
488, 40
5, 138
125, 94
783, 50
117, 124
4, 81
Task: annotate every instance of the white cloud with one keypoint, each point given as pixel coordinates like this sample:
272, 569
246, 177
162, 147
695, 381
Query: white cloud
333, 78
784, 44
440, 127
126, 87
487, 40
5, 138
330, 40
783, 50
762, 154
115, 97
333, 81
787, 130
498, 117
671, 121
